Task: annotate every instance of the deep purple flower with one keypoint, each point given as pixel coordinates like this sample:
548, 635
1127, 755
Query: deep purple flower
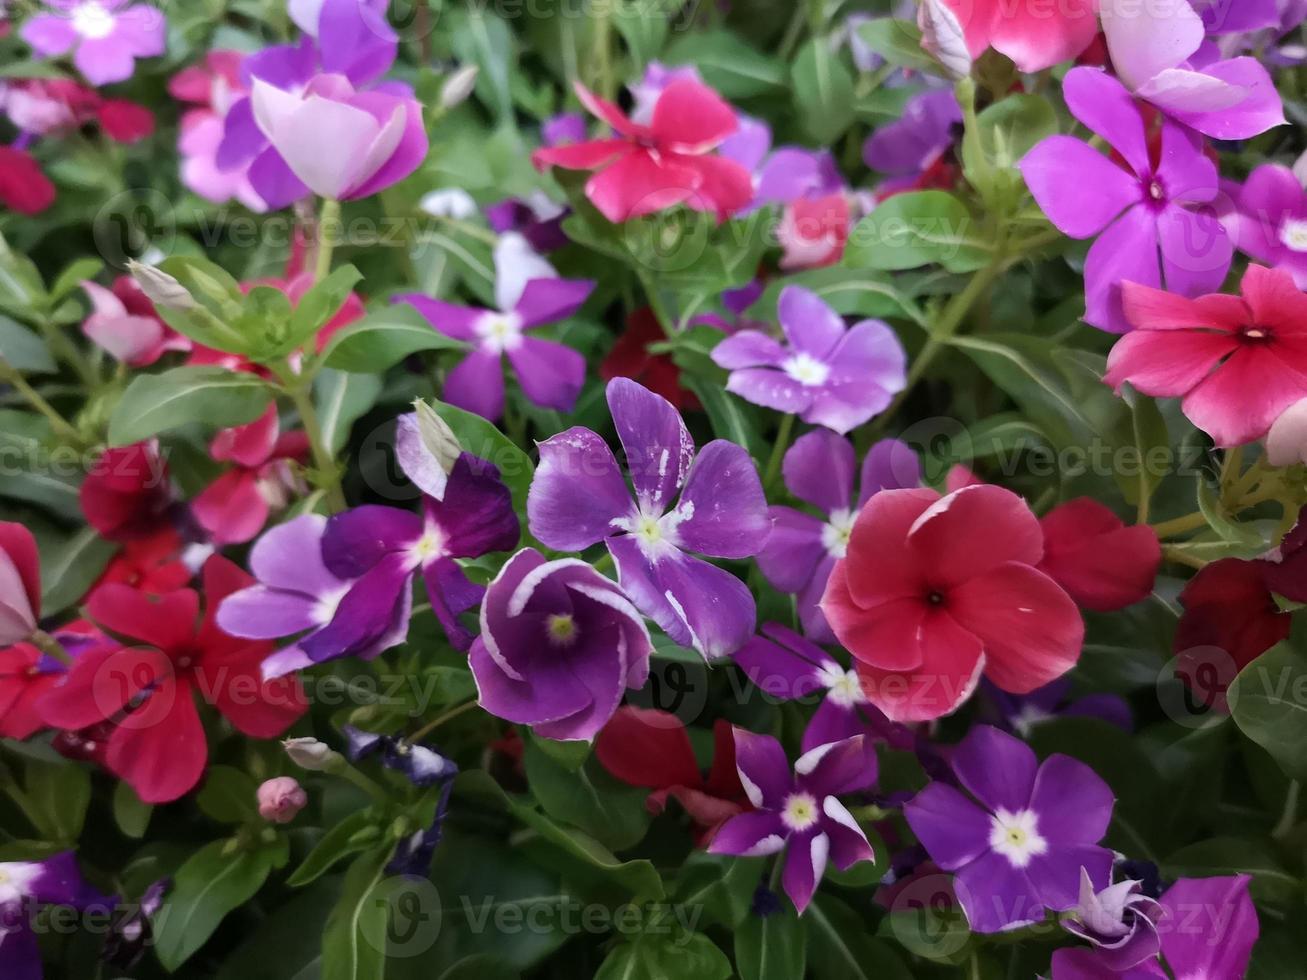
578, 498
802, 550
537, 218
910, 144
1018, 851
566, 127
297, 594
24, 885
105, 36
1020, 713
1148, 234
1269, 221
1120, 921
800, 813
559, 645
529, 295
826, 374
131, 933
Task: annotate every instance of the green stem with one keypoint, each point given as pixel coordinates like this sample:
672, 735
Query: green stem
328, 472
449, 715
328, 219
1289, 816
1181, 525
57, 422
48, 645
68, 352
778, 451
656, 304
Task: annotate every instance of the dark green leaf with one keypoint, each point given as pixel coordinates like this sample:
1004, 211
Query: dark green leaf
214, 396
915, 229
383, 339
823, 91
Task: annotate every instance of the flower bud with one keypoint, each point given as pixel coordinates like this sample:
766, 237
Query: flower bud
313, 755
162, 289
281, 799
1286, 443
943, 36
458, 86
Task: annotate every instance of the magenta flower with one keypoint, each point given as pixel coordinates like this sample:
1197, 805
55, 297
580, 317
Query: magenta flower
1269, 222
1146, 233
559, 644
1019, 849
911, 144
800, 813
579, 498
819, 470
529, 295
105, 36
1119, 921
826, 374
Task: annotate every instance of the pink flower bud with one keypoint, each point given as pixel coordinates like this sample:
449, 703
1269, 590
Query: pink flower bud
281, 799
20, 584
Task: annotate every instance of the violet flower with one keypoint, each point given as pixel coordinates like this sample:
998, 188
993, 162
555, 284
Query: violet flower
802, 549
1138, 211
1020, 848
579, 498
132, 933
105, 36
909, 145
559, 645
529, 295
384, 547
298, 594
1120, 921
25, 884
799, 813
1020, 713
1269, 221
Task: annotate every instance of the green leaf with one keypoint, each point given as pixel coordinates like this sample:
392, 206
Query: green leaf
70, 569
660, 957
722, 885
77, 272
916, 229
841, 948
728, 64
129, 813
316, 307
383, 339
483, 439
848, 292
61, 793
898, 42
771, 947
215, 880
1005, 132
354, 834
228, 796
24, 350
485, 41
823, 91
342, 398
730, 417
353, 945
1269, 703
587, 797
644, 27
215, 396
1272, 881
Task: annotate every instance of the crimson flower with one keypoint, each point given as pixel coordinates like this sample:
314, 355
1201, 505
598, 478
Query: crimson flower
1102, 564
148, 691
23, 187
126, 492
644, 169
630, 357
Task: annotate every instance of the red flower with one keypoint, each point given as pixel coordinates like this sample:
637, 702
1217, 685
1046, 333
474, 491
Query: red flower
1102, 564
631, 358
650, 748
26, 675
125, 122
813, 231
151, 565
935, 592
20, 583
126, 493
23, 188
158, 744
650, 168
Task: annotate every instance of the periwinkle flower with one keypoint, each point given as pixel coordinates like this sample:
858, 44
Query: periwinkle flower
559, 645
105, 36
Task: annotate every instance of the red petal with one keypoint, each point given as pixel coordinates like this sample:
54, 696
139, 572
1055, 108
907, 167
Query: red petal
23, 187
952, 661
647, 747
1100, 562
165, 759
166, 621
689, 117
126, 122
580, 156
17, 542
972, 531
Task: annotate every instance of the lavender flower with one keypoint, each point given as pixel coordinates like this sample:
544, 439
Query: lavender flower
105, 36
800, 813
908, 146
827, 374
578, 498
1020, 849
559, 644
1120, 920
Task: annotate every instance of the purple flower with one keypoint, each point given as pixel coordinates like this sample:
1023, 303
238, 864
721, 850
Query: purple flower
802, 549
1120, 921
578, 498
1020, 850
537, 218
785, 666
788, 174
1139, 209
914, 141
800, 813
529, 295
827, 374
105, 36
1269, 222
566, 127
297, 594
559, 644
1236, 16
131, 933
657, 77
1020, 713
23, 885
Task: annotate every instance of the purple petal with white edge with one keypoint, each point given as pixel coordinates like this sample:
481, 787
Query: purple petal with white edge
476, 515
658, 446
550, 300
1073, 803
477, 385
997, 768
805, 863
502, 629
810, 325
417, 462
764, 770
848, 841
1261, 108
285, 661
783, 664
723, 506
1079, 208
365, 613
458, 322
1102, 103
261, 613
951, 827
832, 722
838, 768
1055, 875
1227, 926
551, 374
753, 834
819, 469
289, 557
1126, 252
793, 550
772, 389
1196, 251
890, 465
548, 695
605, 678
357, 539
749, 348
577, 491
274, 181
996, 896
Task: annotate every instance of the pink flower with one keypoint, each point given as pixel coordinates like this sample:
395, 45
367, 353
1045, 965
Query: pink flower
1102, 564
1035, 34
20, 583
935, 592
1237, 363
211, 88
122, 321
813, 231
23, 187
281, 799
645, 169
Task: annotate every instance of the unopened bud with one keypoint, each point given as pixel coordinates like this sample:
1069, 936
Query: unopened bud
458, 86
312, 754
1286, 443
281, 799
163, 290
943, 36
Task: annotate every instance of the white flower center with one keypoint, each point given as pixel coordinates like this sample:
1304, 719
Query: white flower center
1028, 717
843, 685
16, 881
806, 370
1293, 234
92, 20
325, 608
1016, 836
656, 533
835, 534
499, 332
561, 629
428, 547
800, 812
